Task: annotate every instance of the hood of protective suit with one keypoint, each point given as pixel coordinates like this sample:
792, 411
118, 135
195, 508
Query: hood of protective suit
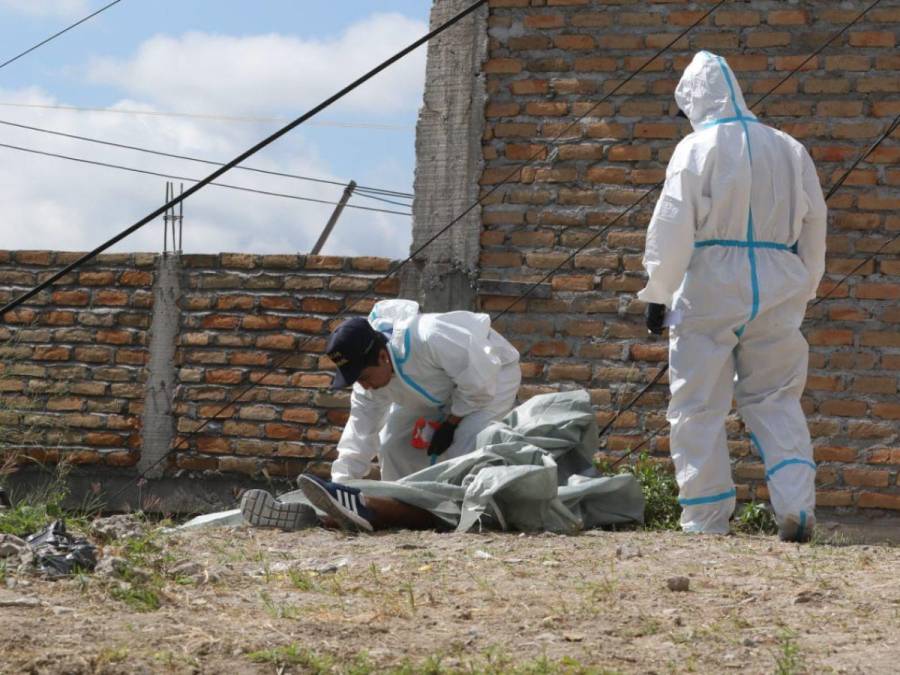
709, 91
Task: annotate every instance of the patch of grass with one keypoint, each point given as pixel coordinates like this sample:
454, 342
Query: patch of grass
788, 660
755, 518
492, 661
111, 655
661, 508
140, 597
293, 655
278, 610
143, 578
301, 580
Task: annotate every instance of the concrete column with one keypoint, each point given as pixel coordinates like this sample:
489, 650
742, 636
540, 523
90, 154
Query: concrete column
158, 428
449, 163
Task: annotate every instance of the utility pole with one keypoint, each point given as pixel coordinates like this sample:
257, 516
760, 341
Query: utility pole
351, 186
170, 218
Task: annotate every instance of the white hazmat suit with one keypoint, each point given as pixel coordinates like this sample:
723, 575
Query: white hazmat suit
736, 246
444, 364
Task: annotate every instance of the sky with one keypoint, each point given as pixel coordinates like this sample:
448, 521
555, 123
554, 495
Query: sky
264, 62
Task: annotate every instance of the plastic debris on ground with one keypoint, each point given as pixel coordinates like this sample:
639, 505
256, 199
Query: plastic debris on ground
57, 553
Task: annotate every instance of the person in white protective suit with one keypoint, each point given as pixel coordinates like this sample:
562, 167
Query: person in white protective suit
424, 385
736, 248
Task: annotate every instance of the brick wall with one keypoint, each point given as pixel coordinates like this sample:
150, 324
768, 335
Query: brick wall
239, 314
550, 61
74, 362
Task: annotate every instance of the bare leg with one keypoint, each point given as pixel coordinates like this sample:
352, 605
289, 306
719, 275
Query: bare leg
393, 514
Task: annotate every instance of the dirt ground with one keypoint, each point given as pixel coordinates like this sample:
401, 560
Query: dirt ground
320, 601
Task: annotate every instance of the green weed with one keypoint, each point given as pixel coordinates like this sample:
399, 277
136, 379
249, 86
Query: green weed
661, 508
755, 518
293, 655
788, 661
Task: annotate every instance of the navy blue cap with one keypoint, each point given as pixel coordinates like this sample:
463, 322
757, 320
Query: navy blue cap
350, 347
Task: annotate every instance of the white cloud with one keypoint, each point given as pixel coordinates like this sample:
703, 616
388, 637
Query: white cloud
49, 203
265, 73
51, 8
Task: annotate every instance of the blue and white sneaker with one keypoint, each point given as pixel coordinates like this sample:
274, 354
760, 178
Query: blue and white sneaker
344, 504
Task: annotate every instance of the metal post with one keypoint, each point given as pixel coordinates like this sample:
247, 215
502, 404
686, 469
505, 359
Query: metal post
351, 186
166, 222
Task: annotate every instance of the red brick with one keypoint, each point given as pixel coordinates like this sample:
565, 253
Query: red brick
787, 17
540, 21
574, 42
872, 291
529, 87
76, 298
321, 305
219, 376
872, 39
549, 348
43, 353
506, 66
580, 372
843, 408
889, 411
737, 18
876, 500
262, 322
835, 454
96, 278
220, 322
136, 278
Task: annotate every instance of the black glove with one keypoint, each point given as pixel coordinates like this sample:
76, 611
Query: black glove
442, 439
656, 314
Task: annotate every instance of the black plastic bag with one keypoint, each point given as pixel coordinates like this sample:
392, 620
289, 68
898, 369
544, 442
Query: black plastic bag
57, 553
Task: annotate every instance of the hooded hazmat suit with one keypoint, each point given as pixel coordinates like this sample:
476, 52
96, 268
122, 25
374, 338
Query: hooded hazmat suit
736, 246
444, 364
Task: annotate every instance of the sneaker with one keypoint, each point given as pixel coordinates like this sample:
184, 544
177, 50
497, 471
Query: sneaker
261, 509
342, 503
4, 500
797, 528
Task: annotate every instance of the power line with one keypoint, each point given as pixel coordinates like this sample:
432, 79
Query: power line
159, 153
890, 130
56, 35
240, 158
279, 362
147, 172
208, 116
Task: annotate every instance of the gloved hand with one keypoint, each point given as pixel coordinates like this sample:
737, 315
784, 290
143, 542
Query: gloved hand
656, 315
443, 438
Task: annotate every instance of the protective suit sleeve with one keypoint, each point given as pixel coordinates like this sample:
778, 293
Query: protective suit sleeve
359, 442
467, 360
670, 236
811, 244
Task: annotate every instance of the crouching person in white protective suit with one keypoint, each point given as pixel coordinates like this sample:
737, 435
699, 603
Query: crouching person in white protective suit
424, 385
736, 247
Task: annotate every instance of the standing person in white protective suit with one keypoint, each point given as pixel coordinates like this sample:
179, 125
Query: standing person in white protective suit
424, 385
736, 247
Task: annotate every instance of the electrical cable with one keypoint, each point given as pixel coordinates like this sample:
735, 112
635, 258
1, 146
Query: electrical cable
890, 130
834, 188
197, 180
159, 153
56, 35
240, 158
665, 368
395, 268
206, 116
